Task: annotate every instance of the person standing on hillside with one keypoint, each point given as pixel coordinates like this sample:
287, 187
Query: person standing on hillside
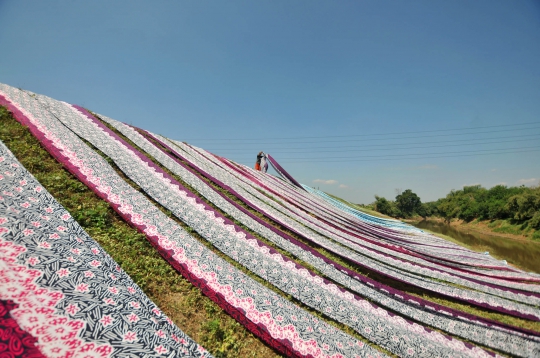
258, 162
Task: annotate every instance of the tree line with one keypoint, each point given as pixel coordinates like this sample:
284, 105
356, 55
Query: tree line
520, 204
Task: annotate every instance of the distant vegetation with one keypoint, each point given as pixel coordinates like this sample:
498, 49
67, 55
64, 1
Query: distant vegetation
516, 205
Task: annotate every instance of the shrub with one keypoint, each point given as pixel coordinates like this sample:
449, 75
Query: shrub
535, 221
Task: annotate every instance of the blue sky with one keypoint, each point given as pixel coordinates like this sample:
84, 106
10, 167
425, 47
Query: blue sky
355, 97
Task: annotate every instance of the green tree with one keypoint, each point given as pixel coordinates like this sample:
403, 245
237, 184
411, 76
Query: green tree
427, 209
524, 206
383, 206
408, 203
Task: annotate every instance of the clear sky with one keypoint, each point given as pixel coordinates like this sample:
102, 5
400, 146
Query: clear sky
355, 97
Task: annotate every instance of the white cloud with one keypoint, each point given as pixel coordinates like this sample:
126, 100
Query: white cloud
322, 181
428, 166
530, 181
343, 186
493, 170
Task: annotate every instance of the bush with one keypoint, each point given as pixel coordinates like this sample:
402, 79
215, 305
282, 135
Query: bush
535, 221
524, 206
500, 202
383, 206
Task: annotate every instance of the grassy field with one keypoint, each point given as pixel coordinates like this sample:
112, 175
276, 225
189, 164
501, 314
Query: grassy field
194, 313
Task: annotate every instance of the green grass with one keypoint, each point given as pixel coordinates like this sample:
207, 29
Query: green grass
509, 227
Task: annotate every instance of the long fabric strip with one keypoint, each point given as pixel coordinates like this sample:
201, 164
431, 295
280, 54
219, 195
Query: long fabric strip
278, 168
259, 258
392, 223
267, 263
277, 321
69, 294
381, 266
397, 248
464, 271
507, 341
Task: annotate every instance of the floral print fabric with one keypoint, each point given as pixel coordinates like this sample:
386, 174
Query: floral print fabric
396, 300
67, 292
386, 260
280, 323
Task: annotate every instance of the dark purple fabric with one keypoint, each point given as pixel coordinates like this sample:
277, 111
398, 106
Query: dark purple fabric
282, 171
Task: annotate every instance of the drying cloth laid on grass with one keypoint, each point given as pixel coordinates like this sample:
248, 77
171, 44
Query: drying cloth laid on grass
261, 259
277, 321
363, 216
489, 333
45, 118
61, 293
382, 259
387, 330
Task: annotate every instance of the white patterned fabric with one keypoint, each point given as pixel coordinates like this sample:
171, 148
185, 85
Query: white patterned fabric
71, 295
280, 323
409, 306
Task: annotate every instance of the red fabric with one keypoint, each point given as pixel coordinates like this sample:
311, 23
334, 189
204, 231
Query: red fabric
257, 166
14, 342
